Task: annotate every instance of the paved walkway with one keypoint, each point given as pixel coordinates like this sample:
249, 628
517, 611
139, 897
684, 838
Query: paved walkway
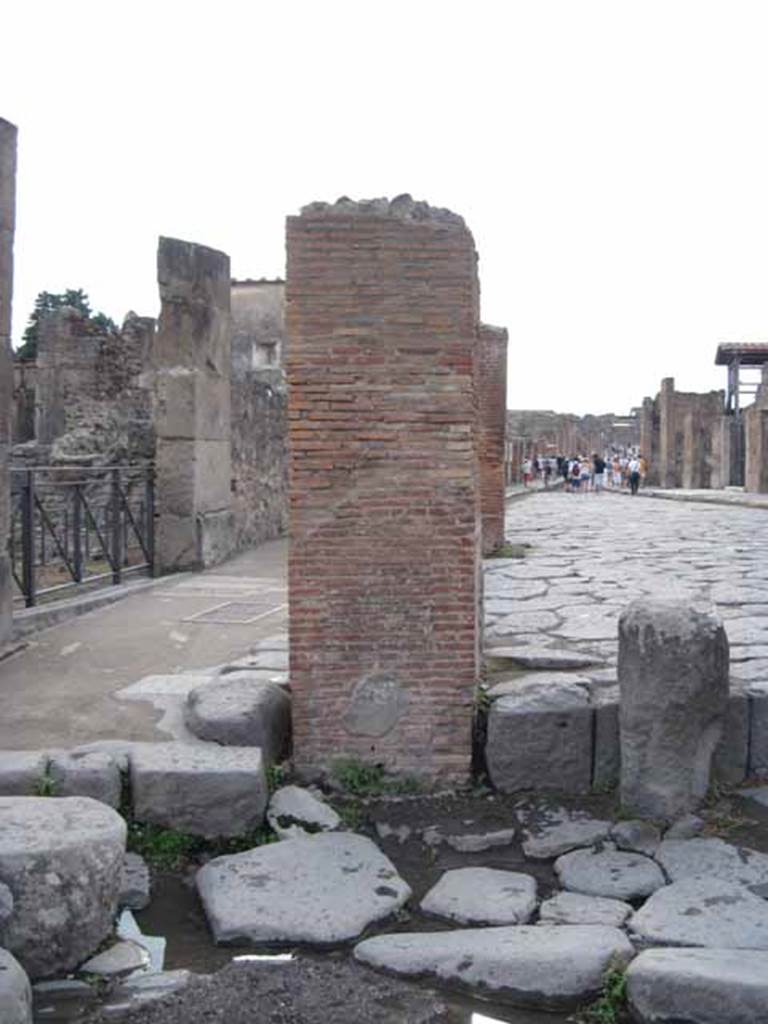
60, 691
591, 554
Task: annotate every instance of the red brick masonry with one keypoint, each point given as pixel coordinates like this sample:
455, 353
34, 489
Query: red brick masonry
492, 402
382, 315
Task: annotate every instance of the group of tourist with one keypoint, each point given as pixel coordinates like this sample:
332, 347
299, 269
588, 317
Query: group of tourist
582, 474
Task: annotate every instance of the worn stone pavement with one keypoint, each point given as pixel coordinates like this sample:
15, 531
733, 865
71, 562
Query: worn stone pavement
590, 555
61, 690
593, 553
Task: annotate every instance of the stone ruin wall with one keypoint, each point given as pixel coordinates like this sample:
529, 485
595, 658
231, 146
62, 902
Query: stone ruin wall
7, 227
384, 563
492, 411
259, 412
682, 438
192, 414
756, 440
546, 432
87, 392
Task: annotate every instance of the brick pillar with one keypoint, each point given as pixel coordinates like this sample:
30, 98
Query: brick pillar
492, 409
192, 390
384, 580
667, 434
7, 226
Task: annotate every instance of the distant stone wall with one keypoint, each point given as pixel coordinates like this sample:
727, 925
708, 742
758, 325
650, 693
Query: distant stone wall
545, 432
756, 444
492, 411
91, 394
7, 227
23, 405
259, 456
687, 422
258, 325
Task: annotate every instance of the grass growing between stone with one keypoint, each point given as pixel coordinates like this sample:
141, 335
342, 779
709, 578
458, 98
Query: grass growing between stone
167, 849
611, 1005
510, 551
363, 780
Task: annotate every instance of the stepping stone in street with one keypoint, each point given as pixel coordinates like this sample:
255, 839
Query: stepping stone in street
15, 991
323, 889
62, 860
202, 788
712, 858
482, 896
703, 912
637, 836
549, 966
543, 657
612, 873
701, 986
565, 833
294, 812
575, 908
239, 712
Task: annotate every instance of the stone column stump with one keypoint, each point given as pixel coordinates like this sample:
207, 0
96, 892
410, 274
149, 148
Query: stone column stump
673, 683
7, 224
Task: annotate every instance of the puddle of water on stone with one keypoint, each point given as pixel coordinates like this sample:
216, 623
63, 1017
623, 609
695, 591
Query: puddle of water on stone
176, 914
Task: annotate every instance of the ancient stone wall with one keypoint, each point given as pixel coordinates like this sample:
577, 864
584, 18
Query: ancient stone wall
545, 432
756, 444
382, 317
23, 402
681, 462
7, 227
91, 394
258, 325
492, 408
700, 449
259, 456
259, 412
194, 525
650, 439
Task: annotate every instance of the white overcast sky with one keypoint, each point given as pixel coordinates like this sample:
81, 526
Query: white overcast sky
610, 158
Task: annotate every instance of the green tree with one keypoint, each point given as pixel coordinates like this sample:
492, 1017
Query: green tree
47, 303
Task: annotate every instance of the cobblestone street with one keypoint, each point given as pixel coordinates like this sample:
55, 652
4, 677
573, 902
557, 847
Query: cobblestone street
591, 554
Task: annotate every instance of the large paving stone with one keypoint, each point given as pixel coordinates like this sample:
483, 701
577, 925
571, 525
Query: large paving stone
63, 861
541, 737
323, 889
22, 772
564, 831
15, 991
294, 812
95, 774
637, 836
616, 874
673, 679
482, 896
525, 680
712, 858
699, 986
576, 908
554, 967
203, 789
703, 912
238, 712
541, 657
730, 759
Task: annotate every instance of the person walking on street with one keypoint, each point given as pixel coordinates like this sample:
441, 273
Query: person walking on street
598, 472
634, 474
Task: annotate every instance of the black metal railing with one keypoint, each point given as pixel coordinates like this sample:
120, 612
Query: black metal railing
73, 525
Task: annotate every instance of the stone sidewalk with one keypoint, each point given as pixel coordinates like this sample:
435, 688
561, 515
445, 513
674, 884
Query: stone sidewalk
60, 690
725, 496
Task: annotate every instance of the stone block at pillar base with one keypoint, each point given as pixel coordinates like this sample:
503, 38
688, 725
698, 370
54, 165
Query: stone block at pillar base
216, 531
729, 761
176, 544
